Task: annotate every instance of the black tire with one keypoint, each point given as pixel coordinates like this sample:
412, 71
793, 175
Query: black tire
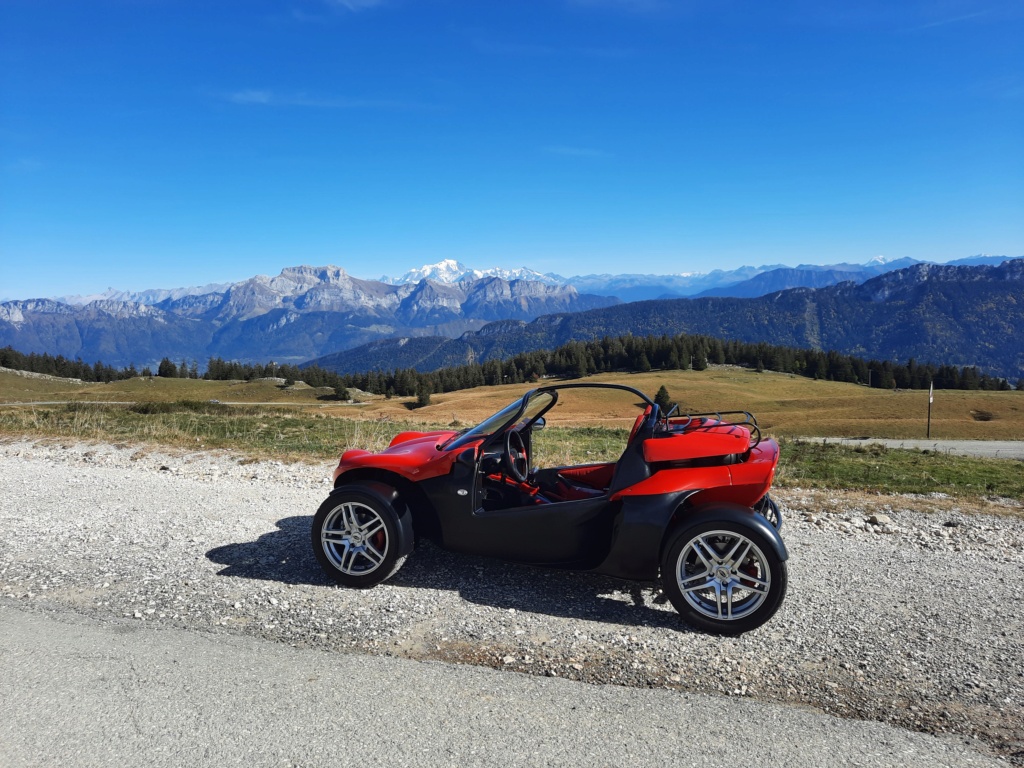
722, 577
355, 538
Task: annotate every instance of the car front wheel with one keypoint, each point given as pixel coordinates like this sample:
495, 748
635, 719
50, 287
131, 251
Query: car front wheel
723, 576
355, 538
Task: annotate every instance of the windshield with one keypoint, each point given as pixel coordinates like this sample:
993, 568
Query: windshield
538, 402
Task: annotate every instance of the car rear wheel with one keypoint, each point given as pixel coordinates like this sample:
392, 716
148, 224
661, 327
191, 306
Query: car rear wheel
355, 538
723, 576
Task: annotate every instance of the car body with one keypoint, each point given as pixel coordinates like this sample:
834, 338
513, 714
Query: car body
687, 502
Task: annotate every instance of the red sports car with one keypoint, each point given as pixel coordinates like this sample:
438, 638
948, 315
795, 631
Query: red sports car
686, 502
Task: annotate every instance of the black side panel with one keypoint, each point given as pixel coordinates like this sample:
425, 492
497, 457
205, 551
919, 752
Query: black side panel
570, 533
644, 521
636, 546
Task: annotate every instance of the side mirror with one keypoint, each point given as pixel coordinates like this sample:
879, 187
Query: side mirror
539, 423
467, 457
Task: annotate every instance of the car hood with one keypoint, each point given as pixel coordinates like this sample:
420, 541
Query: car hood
411, 454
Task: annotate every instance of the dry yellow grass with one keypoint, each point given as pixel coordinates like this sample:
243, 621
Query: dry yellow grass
15, 388
784, 405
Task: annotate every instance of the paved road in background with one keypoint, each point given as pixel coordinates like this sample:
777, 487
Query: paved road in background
988, 449
79, 692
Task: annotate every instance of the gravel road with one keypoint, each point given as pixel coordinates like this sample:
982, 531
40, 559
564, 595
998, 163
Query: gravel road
914, 620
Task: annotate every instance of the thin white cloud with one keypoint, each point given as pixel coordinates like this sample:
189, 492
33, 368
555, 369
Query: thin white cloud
23, 165
569, 151
269, 98
952, 20
538, 50
512, 49
632, 6
326, 11
1008, 87
355, 5
251, 97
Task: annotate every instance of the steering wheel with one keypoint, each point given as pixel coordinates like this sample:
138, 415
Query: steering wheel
516, 462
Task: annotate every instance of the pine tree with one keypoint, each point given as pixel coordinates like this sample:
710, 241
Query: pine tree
423, 396
663, 400
167, 369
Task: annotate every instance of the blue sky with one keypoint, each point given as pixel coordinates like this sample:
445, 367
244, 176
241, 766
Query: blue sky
161, 143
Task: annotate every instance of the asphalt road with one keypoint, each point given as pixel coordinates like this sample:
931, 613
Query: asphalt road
989, 449
80, 692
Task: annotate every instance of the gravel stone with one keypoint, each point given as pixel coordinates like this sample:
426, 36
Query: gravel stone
908, 610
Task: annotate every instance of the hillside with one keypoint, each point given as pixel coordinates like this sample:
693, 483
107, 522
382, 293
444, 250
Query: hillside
957, 315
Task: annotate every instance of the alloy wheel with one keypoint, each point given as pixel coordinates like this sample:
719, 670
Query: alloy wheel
354, 538
723, 575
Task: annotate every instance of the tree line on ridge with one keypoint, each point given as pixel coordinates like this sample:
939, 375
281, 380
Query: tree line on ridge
572, 360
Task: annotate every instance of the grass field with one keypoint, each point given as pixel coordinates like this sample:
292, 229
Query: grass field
785, 405
265, 419
877, 469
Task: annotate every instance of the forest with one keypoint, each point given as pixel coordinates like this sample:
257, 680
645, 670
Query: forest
575, 359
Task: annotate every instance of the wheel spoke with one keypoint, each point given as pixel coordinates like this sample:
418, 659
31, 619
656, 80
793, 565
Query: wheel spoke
351, 521
728, 558
735, 561
699, 587
348, 557
372, 554
372, 527
697, 545
334, 536
754, 584
705, 574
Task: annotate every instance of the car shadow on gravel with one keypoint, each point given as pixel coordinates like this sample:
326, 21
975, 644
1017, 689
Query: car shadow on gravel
285, 556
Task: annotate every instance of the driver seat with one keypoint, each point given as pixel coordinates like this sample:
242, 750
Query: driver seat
632, 467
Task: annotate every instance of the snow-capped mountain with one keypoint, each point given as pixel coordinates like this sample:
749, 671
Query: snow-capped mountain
149, 296
742, 281
452, 271
301, 313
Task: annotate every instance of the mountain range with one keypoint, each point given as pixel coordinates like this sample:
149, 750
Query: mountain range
746, 281
947, 314
743, 282
441, 314
304, 312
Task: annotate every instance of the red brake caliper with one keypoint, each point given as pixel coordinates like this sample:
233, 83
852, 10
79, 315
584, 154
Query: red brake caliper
749, 568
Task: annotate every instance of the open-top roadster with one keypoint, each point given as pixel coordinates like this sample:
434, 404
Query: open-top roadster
687, 501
